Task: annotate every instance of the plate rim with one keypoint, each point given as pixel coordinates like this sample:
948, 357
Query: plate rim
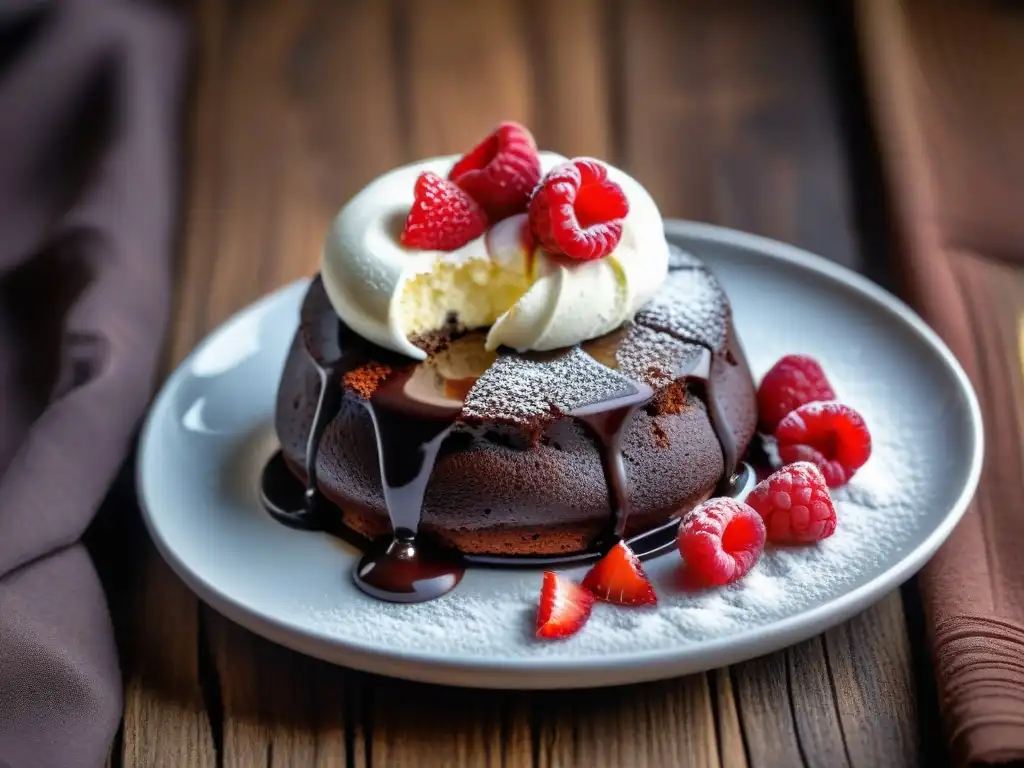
594, 670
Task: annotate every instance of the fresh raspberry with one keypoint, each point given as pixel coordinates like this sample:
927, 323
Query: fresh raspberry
791, 382
720, 541
795, 505
443, 217
501, 171
830, 435
564, 607
619, 578
577, 211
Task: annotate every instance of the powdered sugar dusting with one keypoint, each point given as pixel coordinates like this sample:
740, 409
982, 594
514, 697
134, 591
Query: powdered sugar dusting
651, 356
682, 259
526, 389
492, 611
690, 305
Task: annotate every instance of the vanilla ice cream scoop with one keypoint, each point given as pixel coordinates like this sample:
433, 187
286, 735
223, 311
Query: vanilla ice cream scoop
529, 298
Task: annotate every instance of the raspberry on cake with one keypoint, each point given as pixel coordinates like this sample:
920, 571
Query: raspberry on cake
577, 211
501, 171
443, 217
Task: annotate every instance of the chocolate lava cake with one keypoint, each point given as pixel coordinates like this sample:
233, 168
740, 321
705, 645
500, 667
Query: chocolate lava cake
520, 472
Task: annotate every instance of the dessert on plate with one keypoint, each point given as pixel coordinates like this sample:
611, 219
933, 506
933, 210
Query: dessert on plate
503, 358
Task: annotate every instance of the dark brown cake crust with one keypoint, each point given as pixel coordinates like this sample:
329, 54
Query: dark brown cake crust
517, 475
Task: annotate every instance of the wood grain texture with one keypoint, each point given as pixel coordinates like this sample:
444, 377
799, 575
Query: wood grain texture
421, 725
165, 716
726, 112
659, 724
468, 69
871, 674
731, 745
280, 708
729, 118
572, 76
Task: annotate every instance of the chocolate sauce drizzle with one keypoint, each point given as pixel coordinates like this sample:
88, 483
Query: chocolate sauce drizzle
607, 421
410, 430
402, 569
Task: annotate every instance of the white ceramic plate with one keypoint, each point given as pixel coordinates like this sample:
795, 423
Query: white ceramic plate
210, 430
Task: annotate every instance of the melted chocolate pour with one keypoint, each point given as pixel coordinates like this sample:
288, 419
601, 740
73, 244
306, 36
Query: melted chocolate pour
607, 421
278, 496
402, 569
305, 513
701, 375
410, 431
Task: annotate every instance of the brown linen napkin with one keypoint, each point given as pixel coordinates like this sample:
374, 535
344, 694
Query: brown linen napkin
946, 82
88, 116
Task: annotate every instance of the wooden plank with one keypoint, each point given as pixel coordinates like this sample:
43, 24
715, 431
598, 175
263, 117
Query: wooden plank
281, 708
467, 71
731, 746
302, 123
763, 695
572, 111
424, 725
275, 151
668, 723
869, 662
165, 719
813, 702
729, 117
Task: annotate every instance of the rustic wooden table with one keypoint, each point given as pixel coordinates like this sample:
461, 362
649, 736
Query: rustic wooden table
746, 114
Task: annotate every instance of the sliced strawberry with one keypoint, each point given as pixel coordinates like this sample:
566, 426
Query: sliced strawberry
619, 578
443, 217
564, 607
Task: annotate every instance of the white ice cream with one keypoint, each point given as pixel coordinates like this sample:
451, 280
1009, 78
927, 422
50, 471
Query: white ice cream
388, 293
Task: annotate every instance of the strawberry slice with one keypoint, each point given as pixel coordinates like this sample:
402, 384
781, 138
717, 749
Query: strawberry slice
619, 578
564, 607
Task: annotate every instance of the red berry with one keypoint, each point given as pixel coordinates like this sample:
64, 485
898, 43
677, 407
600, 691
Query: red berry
795, 505
442, 217
830, 435
564, 607
619, 578
577, 211
501, 171
791, 382
720, 541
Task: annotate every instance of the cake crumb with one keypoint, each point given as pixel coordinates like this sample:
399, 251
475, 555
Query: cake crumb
365, 379
672, 399
660, 435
